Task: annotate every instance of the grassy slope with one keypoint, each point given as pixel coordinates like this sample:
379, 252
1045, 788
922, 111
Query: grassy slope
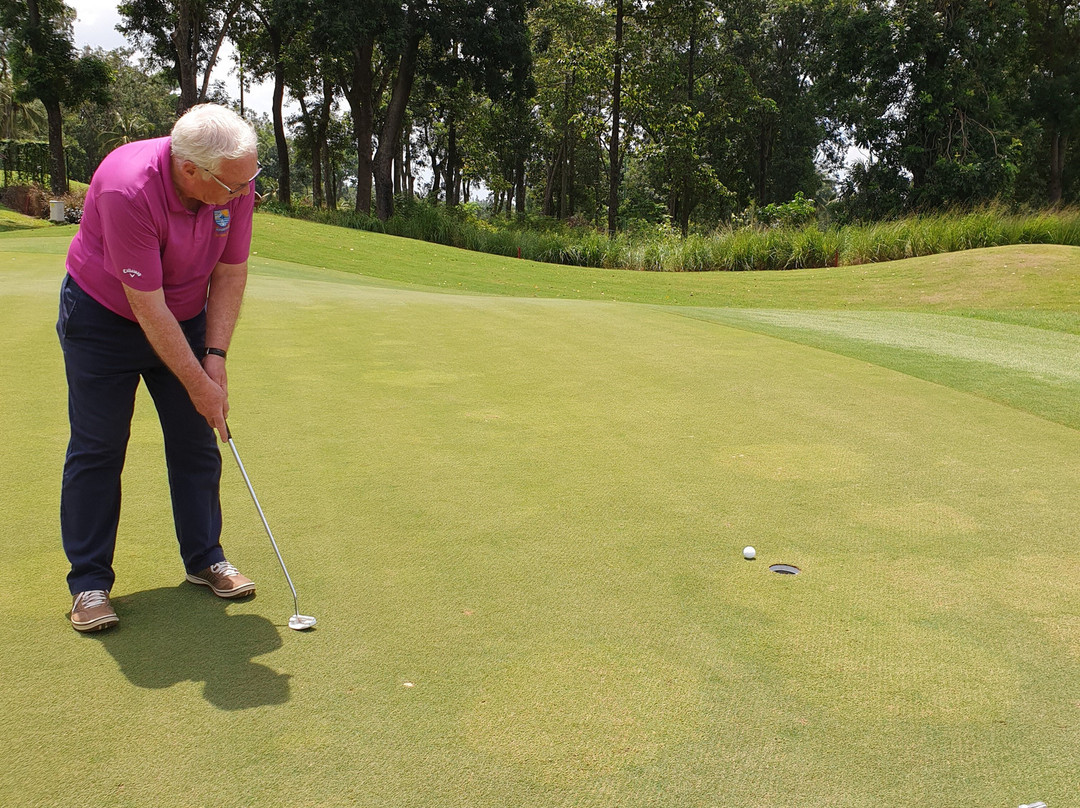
532, 510
1028, 291
1015, 279
10, 220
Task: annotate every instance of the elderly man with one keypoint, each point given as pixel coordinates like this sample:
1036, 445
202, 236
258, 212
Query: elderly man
154, 281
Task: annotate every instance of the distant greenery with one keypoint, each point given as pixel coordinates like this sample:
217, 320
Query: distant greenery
750, 246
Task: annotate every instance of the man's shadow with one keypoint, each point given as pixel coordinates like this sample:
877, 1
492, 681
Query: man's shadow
172, 635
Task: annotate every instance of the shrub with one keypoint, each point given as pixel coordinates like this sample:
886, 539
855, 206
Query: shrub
742, 247
29, 200
73, 206
796, 213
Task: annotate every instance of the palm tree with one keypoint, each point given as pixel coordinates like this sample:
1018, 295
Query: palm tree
127, 129
18, 119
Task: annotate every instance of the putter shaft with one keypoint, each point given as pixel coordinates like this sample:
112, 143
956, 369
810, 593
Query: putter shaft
258, 507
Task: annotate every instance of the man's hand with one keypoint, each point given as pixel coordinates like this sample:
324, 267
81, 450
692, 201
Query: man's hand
215, 369
212, 402
214, 366
167, 339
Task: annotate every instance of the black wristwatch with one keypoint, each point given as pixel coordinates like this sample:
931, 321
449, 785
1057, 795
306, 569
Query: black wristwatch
215, 352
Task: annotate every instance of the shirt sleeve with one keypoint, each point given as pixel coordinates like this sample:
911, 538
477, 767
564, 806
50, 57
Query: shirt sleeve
131, 242
239, 245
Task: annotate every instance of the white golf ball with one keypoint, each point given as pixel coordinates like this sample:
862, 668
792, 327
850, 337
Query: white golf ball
749, 553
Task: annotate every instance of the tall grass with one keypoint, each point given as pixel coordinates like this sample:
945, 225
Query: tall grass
661, 249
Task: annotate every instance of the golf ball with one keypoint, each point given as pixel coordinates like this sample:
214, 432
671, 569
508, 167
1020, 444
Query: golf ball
749, 553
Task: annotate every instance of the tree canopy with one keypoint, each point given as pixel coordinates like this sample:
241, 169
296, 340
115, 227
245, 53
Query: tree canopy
680, 112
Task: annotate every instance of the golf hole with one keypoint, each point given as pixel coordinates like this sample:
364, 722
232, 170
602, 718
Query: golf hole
784, 569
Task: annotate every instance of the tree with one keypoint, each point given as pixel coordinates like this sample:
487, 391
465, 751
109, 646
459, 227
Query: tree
346, 33
277, 43
683, 89
573, 54
474, 53
941, 95
18, 118
139, 106
1054, 84
43, 57
375, 45
184, 36
616, 107
403, 51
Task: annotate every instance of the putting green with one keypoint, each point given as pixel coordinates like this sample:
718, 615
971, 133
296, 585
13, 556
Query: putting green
519, 523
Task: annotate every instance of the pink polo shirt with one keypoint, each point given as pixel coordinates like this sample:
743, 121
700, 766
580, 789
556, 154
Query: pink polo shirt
136, 232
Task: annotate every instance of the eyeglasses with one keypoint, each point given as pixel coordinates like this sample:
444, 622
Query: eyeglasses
238, 188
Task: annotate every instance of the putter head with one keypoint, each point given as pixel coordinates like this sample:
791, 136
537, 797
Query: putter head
301, 622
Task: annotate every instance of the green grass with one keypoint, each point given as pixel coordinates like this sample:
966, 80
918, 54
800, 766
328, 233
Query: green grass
532, 510
1042, 277
746, 247
10, 220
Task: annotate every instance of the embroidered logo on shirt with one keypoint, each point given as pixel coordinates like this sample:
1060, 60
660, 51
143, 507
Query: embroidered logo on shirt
221, 221
132, 273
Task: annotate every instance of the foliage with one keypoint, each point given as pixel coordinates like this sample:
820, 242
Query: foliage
791, 243
18, 118
730, 109
44, 64
799, 211
183, 37
140, 105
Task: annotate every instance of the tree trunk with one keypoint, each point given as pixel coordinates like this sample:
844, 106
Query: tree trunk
688, 175
185, 39
408, 166
1058, 144
451, 163
57, 165
569, 173
363, 115
391, 131
613, 143
436, 172
548, 207
519, 186
397, 171
329, 181
284, 177
766, 135
58, 183
310, 126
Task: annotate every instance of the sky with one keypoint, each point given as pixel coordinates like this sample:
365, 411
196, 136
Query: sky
95, 26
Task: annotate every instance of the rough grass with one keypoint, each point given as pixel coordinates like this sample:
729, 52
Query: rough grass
519, 522
751, 247
1014, 279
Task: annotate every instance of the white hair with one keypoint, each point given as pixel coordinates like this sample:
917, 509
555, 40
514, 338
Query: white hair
207, 134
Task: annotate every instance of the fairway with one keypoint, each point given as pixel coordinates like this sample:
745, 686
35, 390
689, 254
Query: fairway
519, 521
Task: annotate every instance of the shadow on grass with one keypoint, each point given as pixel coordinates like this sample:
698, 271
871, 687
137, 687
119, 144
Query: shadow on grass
168, 636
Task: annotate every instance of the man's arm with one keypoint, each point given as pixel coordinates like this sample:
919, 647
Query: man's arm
168, 341
227, 285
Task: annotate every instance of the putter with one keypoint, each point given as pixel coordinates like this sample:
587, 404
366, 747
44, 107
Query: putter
298, 622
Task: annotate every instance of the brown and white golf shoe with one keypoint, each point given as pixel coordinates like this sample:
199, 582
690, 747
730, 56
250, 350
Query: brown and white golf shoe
91, 611
224, 580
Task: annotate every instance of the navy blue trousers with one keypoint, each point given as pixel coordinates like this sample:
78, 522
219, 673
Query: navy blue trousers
105, 356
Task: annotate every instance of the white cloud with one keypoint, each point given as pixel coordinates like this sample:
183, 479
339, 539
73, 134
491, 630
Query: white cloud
95, 24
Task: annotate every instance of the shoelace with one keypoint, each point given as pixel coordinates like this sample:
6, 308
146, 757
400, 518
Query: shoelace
224, 568
92, 598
